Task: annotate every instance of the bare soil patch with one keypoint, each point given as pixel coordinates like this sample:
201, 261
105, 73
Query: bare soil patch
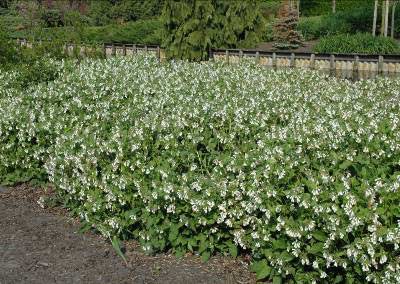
44, 246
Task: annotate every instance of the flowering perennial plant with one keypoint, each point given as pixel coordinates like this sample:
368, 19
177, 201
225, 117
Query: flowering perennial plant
298, 169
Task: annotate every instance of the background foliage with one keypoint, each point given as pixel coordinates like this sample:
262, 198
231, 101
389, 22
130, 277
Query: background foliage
352, 21
240, 24
192, 27
363, 43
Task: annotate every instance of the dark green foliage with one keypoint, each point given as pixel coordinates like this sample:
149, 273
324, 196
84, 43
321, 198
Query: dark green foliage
268, 34
8, 50
315, 7
77, 25
310, 27
140, 32
104, 12
397, 22
192, 27
318, 26
358, 43
358, 19
52, 18
5, 3
322, 7
99, 13
188, 28
238, 23
133, 10
269, 8
61, 18
11, 23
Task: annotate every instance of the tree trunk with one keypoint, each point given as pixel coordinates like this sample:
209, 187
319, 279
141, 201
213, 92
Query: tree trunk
375, 17
334, 6
298, 8
386, 17
393, 15
383, 18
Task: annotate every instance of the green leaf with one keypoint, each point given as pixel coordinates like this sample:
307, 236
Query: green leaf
233, 251
191, 244
316, 248
287, 257
349, 279
173, 232
338, 279
85, 227
203, 243
268, 253
179, 252
320, 236
205, 256
277, 280
261, 268
345, 165
279, 244
116, 243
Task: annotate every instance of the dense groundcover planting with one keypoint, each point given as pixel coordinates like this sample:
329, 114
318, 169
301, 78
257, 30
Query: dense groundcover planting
299, 170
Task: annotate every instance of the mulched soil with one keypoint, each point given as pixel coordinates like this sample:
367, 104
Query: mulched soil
44, 246
306, 47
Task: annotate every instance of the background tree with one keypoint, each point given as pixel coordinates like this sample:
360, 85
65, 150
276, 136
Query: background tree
285, 26
382, 17
393, 19
100, 12
298, 8
239, 23
375, 18
387, 6
188, 29
192, 27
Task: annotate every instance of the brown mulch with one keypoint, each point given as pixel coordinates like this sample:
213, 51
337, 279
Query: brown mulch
306, 47
44, 246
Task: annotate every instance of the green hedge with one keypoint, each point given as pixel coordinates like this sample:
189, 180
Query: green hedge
357, 43
355, 20
299, 170
141, 32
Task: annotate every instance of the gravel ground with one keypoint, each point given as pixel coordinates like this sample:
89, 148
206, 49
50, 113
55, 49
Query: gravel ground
44, 246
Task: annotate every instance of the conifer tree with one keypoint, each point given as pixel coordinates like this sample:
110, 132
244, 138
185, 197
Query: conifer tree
240, 23
192, 27
285, 27
188, 30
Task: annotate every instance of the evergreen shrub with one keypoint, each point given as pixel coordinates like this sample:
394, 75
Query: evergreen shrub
192, 27
357, 43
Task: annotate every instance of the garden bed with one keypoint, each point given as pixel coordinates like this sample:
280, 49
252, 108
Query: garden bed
298, 170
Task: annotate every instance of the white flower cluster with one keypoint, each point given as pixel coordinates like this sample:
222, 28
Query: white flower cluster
298, 168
